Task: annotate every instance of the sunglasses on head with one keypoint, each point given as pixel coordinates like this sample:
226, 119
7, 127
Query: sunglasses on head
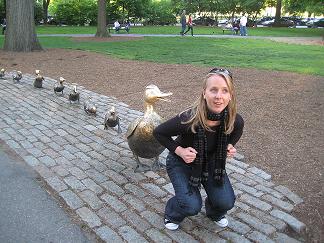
221, 70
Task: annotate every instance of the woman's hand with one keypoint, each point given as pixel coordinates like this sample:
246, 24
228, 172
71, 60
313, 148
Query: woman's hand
187, 154
230, 151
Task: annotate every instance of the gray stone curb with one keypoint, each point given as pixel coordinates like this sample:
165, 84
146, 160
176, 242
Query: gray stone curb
92, 171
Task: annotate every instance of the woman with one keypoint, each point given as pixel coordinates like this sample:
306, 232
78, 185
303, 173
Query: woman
190, 25
207, 133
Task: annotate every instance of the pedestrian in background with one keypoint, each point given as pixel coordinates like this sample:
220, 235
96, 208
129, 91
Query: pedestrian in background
4, 25
243, 22
183, 22
189, 24
206, 135
117, 26
127, 26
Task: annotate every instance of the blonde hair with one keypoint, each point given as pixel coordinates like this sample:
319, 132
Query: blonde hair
199, 109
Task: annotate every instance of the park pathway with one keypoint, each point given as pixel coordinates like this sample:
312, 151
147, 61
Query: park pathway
91, 170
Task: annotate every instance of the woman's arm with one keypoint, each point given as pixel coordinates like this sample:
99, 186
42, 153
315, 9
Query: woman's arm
165, 131
237, 131
173, 127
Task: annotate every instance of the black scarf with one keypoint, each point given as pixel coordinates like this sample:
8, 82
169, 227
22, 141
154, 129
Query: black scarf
199, 167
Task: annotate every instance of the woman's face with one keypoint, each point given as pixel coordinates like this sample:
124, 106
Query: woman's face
216, 94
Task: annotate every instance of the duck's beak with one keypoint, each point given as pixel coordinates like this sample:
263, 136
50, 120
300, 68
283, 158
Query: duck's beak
162, 96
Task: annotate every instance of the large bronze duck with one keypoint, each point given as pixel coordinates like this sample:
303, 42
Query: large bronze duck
59, 86
2, 73
140, 132
17, 76
38, 82
112, 120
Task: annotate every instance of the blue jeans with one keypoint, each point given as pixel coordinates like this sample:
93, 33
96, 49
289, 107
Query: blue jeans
183, 28
220, 198
242, 30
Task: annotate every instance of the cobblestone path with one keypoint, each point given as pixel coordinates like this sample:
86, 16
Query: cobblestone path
92, 171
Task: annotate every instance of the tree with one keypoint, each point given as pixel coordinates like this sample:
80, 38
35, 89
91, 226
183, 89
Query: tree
102, 20
252, 7
278, 12
20, 32
45, 10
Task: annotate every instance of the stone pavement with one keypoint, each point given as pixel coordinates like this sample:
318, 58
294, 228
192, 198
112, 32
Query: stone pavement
92, 171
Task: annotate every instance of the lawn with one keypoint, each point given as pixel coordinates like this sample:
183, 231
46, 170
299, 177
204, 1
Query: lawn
227, 52
201, 30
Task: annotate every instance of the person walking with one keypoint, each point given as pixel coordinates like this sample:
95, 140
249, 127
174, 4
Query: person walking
189, 24
206, 135
117, 26
243, 22
4, 25
127, 26
183, 22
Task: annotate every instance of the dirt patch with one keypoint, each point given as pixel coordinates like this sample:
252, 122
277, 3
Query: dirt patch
319, 41
283, 111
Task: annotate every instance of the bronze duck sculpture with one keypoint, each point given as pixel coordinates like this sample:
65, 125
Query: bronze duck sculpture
74, 95
59, 86
17, 76
112, 120
89, 107
140, 132
2, 73
38, 82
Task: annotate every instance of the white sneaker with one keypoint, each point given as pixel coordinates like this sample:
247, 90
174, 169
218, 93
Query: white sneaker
223, 222
169, 225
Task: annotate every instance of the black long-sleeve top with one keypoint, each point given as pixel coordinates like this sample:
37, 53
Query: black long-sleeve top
175, 127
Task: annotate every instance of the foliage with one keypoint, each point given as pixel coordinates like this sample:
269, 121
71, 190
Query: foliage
160, 13
124, 10
38, 11
253, 7
75, 12
216, 7
2, 10
297, 7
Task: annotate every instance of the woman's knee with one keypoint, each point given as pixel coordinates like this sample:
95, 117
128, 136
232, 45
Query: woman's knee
223, 204
190, 207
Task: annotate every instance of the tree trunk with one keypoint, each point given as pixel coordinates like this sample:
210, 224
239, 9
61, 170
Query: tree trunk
45, 10
20, 32
102, 20
278, 12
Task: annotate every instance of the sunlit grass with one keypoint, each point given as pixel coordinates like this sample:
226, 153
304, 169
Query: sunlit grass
201, 30
249, 53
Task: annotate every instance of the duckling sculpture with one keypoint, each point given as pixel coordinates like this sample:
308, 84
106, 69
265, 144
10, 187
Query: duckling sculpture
59, 86
112, 120
38, 82
17, 76
140, 132
2, 73
89, 107
74, 95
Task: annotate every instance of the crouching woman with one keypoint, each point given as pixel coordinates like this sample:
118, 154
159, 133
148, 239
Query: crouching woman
206, 136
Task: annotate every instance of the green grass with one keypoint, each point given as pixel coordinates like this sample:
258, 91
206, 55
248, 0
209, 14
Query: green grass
201, 30
249, 53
